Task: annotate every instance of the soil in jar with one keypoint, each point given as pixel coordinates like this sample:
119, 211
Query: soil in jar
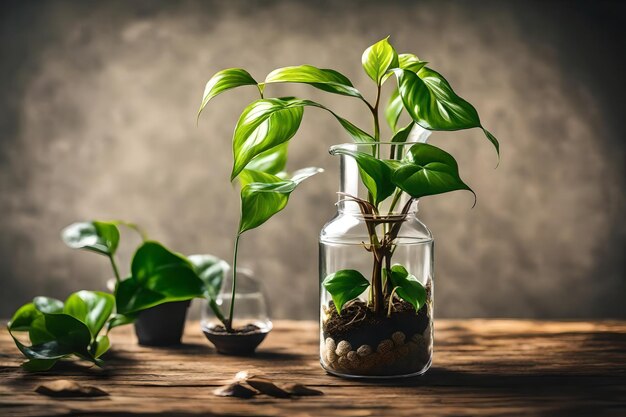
361, 342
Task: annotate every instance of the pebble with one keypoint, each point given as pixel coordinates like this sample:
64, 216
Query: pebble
353, 357
398, 338
343, 348
344, 362
331, 356
266, 386
330, 344
385, 346
364, 350
234, 390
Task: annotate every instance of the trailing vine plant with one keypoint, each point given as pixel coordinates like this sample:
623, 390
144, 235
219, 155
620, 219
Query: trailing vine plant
267, 124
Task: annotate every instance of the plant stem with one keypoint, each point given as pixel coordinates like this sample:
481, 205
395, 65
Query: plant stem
229, 324
115, 270
391, 302
378, 301
396, 198
375, 114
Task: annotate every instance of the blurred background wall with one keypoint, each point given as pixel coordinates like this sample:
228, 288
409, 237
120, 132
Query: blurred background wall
97, 120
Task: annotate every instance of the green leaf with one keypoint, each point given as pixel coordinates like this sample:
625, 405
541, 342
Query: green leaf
225, 80
375, 173
271, 161
55, 333
211, 271
393, 109
48, 305
403, 134
378, 59
267, 124
264, 124
358, 135
158, 276
90, 307
408, 287
38, 333
325, 79
248, 176
23, 318
428, 170
345, 285
411, 62
117, 320
261, 200
39, 365
69, 332
102, 345
431, 102
96, 236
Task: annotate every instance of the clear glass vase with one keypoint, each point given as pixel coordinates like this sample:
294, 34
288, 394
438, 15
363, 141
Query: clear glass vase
251, 315
378, 334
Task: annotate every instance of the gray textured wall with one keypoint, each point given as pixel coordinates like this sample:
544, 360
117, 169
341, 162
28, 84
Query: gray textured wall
97, 121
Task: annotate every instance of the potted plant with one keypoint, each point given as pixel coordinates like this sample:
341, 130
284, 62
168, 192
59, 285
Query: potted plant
156, 295
48, 330
265, 188
376, 291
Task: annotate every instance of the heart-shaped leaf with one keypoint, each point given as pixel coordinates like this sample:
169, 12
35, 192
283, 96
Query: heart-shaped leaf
407, 286
324, 79
431, 102
90, 307
375, 173
378, 59
57, 330
261, 200
428, 170
225, 80
345, 285
158, 276
264, 124
96, 236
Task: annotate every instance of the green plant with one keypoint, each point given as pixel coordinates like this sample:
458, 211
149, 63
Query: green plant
260, 157
267, 124
59, 330
157, 275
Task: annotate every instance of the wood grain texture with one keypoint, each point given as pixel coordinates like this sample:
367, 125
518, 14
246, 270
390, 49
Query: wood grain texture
481, 367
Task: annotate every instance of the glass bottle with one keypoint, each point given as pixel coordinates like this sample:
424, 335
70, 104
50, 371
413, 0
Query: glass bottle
391, 340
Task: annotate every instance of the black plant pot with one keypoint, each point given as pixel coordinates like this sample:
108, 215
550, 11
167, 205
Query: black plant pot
236, 344
162, 325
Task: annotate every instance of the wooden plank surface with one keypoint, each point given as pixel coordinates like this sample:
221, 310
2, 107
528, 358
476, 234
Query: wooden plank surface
481, 367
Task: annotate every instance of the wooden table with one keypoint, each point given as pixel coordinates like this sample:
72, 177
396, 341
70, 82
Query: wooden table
481, 367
